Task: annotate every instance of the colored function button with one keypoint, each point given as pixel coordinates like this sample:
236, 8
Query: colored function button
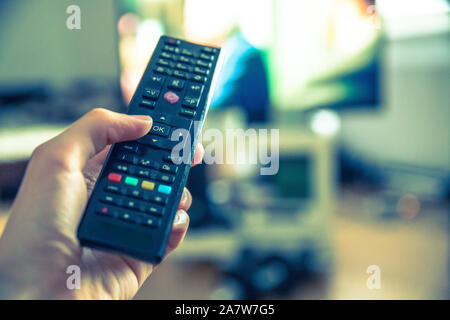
114, 177
131, 181
171, 97
164, 189
147, 185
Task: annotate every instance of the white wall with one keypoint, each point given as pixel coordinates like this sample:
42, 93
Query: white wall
412, 126
36, 44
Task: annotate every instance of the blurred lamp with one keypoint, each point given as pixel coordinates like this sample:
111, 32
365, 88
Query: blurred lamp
325, 123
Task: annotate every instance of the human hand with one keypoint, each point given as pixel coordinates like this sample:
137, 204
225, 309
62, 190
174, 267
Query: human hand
39, 241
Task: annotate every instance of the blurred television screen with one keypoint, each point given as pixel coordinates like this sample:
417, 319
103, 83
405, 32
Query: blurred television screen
316, 54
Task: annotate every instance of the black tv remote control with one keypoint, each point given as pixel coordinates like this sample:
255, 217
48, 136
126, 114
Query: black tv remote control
136, 196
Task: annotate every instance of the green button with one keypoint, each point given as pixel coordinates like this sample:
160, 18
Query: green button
131, 181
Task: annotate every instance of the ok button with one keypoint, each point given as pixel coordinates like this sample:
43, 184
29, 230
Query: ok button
160, 129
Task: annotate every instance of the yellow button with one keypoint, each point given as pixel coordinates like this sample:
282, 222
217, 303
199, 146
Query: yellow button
147, 185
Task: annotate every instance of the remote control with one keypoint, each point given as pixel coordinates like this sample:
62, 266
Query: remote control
136, 196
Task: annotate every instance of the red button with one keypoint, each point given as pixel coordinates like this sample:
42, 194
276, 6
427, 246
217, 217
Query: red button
114, 177
171, 97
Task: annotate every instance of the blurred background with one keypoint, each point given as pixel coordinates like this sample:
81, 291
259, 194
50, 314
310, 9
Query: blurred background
359, 90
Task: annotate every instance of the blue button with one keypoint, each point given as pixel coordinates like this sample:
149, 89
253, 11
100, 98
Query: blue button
164, 189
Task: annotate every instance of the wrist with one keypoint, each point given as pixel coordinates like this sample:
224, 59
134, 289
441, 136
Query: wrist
17, 284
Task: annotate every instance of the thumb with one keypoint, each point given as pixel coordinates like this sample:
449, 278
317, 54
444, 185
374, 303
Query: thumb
92, 133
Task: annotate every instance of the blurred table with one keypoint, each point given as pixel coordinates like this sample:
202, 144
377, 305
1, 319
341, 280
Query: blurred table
412, 254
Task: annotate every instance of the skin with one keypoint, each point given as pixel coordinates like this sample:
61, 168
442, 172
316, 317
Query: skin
39, 241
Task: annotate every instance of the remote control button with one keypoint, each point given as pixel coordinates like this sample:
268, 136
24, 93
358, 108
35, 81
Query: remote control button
110, 199
164, 189
127, 217
155, 209
182, 67
143, 172
203, 63
171, 97
176, 84
171, 49
185, 59
158, 80
130, 204
131, 147
121, 167
151, 222
105, 211
114, 177
151, 93
147, 185
199, 78
201, 71
187, 52
160, 129
168, 168
144, 162
163, 70
190, 102
125, 157
160, 118
131, 181
180, 74
195, 90
173, 42
167, 178
170, 158
159, 199
206, 57
135, 193
209, 50
187, 112
164, 63
167, 55
148, 104
113, 188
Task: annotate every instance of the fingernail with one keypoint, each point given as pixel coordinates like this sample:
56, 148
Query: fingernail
185, 195
180, 218
143, 118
